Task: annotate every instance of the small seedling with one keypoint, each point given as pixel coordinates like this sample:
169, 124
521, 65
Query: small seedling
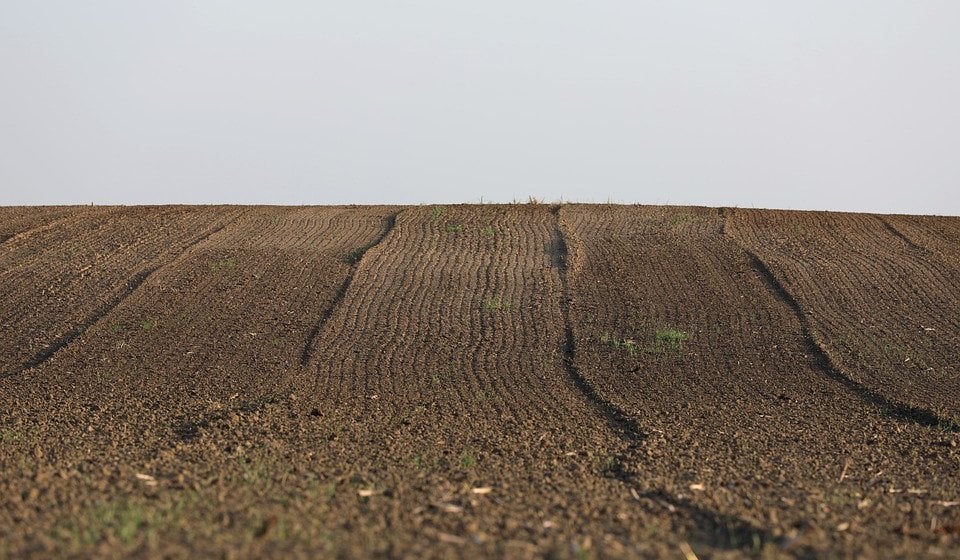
148, 324
610, 465
628, 345
487, 231
223, 264
437, 212
467, 461
497, 304
681, 218
949, 427
668, 340
9, 436
418, 461
454, 228
897, 352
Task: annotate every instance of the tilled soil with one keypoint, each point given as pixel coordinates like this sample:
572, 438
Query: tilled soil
882, 307
477, 381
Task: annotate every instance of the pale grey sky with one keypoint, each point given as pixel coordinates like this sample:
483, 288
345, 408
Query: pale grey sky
834, 104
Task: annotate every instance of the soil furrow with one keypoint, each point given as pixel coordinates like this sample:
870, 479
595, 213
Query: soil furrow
447, 353
709, 525
354, 259
16, 221
514, 381
936, 234
620, 422
64, 278
901, 236
24, 225
132, 284
899, 410
675, 325
883, 308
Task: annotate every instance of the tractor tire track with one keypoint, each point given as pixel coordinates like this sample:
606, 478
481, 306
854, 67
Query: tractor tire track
883, 308
54, 282
449, 346
462, 395
354, 259
719, 529
186, 349
901, 236
130, 286
617, 419
739, 393
23, 225
22, 221
937, 235
826, 365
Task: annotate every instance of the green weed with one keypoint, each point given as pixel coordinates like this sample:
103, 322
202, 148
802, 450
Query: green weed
10, 436
949, 427
330, 492
454, 228
122, 520
467, 461
610, 465
668, 340
418, 461
223, 264
497, 304
258, 473
681, 217
437, 212
629, 346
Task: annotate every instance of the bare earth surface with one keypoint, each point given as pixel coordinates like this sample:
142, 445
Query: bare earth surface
522, 381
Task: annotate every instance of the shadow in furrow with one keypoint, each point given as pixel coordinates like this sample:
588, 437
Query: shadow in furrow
897, 410
707, 527
353, 259
716, 529
133, 283
901, 236
191, 426
619, 421
5, 238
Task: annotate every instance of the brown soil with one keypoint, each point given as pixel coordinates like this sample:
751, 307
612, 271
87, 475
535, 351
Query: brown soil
882, 307
473, 381
938, 234
22, 220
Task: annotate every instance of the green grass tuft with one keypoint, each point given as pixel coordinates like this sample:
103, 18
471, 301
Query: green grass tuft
668, 340
223, 264
497, 304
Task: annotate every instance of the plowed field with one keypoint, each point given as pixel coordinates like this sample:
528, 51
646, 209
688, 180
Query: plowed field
520, 381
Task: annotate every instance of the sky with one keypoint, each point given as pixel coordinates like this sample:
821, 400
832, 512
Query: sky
851, 105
